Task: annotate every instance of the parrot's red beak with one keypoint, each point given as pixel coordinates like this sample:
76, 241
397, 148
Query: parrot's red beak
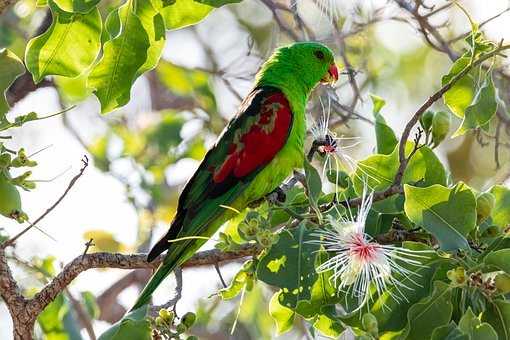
332, 76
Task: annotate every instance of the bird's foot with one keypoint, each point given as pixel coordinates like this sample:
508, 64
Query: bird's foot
276, 196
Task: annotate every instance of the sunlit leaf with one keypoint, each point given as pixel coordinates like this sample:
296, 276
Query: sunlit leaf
501, 212
461, 94
68, 47
10, 68
483, 108
113, 76
76, 6
448, 214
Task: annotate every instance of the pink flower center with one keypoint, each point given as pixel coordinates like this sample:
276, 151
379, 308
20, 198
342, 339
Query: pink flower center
365, 251
327, 149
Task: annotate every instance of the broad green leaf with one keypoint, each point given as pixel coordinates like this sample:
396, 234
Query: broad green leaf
184, 13
10, 68
461, 94
68, 47
50, 320
448, 332
386, 139
123, 56
154, 26
498, 316
132, 326
73, 90
483, 108
448, 214
76, 6
328, 326
501, 212
289, 265
499, 259
283, 316
379, 170
430, 313
471, 325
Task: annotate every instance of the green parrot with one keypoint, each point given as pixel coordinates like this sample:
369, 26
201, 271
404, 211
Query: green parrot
259, 148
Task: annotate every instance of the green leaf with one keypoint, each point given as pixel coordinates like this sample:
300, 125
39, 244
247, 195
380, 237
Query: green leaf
498, 316
328, 326
440, 127
76, 6
471, 325
386, 139
133, 326
313, 184
448, 332
68, 47
379, 170
377, 103
217, 3
289, 265
184, 13
448, 214
154, 26
461, 94
499, 259
10, 68
501, 213
123, 56
430, 313
50, 320
283, 316
483, 108
239, 281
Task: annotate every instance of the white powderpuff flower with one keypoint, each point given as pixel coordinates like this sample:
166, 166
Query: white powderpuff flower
360, 265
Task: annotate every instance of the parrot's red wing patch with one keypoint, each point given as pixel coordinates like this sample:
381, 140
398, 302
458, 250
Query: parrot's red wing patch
257, 144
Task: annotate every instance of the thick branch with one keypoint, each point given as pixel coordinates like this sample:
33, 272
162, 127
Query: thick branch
122, 261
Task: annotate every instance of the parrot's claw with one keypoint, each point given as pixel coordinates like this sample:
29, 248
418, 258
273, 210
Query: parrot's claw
276, 196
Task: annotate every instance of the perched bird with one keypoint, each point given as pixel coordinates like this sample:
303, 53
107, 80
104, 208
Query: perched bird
257, 150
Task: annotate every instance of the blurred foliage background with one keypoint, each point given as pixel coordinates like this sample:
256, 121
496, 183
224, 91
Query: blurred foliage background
144, 152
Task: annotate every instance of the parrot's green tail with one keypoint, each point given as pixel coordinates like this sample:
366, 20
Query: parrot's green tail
162, 272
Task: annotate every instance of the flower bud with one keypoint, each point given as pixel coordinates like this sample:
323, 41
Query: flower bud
166, 315
188, 319
426, 120
502, 282
457, 275
265, 238
369, 323
5, 161
440, 127
485, 202
10, 200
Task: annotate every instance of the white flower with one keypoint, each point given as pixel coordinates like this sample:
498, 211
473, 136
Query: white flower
335, 148
359, 263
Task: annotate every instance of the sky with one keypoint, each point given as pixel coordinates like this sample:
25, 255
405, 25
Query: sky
98, 201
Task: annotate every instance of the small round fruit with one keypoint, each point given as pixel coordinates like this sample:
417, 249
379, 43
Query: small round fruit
10, 200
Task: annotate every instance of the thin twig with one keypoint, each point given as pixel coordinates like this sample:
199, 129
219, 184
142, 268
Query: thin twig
11, 241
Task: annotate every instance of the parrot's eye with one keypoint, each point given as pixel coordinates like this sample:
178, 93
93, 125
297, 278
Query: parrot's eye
319, 54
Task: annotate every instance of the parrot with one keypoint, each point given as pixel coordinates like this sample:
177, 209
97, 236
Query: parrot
258, 149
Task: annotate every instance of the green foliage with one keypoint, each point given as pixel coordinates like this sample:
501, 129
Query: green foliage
10, 68
448, 214
386, 139
69, 46
289, 265
134, 325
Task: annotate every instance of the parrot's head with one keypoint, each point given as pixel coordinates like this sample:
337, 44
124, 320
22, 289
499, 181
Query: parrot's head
302, 65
